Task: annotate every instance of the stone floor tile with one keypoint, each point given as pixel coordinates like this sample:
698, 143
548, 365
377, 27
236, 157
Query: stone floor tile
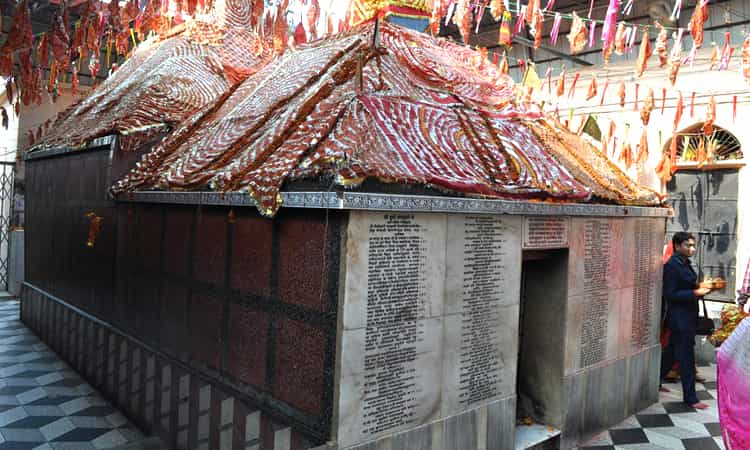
20, 381
90, 422
57, 428
22, 435
31, 396
75, 405
44, 410
12, 415
110, 439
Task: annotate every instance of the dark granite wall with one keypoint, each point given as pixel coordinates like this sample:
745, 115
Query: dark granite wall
244, 303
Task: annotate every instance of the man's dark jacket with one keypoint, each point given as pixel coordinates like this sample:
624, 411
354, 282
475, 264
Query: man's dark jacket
677, 292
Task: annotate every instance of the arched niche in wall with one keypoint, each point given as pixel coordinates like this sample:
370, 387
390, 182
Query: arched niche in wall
726, 147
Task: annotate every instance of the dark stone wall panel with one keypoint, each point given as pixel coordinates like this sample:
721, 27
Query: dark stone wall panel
252, 239
300, 357
247, 327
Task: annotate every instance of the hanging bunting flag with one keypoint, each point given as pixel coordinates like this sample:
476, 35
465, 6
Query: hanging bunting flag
628, 8
504, 69
607, 53
643, 54
614, 147
678, 113
462, 19
621, 38
745, 59
700, 15
734, 108
676, 10
663, 101
676, 59
700, 152
522, 65
604, 92
621, 93
661, 45
550, 5
608, 29
591, 8
692, 105
561, 83
577, 35
691, 55
642, 148
592, 33
531, 8
531, 79
504, 37
536, 28
648, 106
592, 89
480, 14
726, 53
708, 124
626, 152
300, 37
496, 59
518, 27
631, 38
555, 28
663, 170
573, 85
497, 7
714, 60
635, 104
440, 9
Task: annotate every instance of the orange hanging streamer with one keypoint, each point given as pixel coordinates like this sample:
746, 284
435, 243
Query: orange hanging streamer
561, 84
621, 93
678, 112
642, 148
592, 89
708, 125
648, 106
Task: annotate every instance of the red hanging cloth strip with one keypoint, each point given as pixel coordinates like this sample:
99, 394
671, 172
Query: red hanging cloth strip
663, 99
692, 105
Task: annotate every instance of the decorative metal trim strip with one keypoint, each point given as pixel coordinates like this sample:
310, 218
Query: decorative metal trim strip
100, 143
405, 203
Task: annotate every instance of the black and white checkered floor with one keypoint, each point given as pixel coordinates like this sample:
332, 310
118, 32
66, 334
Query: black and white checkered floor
669, 424
46, 405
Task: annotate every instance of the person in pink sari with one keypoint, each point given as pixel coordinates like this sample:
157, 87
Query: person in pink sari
733, 381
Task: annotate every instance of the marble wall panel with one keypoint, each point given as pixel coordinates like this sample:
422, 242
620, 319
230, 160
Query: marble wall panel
382, 392
388, 255
476, 243
574, 389
598, 240
470, 379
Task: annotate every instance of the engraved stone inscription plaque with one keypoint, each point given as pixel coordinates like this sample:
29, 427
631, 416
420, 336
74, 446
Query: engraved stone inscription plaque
646, 253
482, 278
596, 244
545, 232
392, 342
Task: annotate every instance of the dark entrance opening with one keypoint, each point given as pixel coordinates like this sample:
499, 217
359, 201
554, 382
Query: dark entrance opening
541, 334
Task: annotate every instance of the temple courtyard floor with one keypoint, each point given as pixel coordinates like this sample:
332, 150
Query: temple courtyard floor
44, 404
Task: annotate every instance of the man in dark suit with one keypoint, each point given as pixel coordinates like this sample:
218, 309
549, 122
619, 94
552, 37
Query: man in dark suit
680, 294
